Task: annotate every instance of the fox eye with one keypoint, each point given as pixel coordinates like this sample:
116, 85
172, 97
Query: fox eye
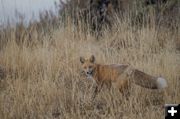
85, 67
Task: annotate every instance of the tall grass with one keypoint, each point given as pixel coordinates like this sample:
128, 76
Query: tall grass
43, 74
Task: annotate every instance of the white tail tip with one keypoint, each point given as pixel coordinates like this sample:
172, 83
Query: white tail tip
161, 83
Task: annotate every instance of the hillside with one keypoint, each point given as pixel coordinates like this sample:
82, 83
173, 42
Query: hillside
42, 68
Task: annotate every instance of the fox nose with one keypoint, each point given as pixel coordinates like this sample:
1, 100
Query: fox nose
88, 72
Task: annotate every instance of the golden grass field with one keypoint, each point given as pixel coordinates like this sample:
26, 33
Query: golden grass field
44, 82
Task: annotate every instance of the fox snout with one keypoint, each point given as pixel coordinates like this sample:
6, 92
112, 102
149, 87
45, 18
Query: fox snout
88, 71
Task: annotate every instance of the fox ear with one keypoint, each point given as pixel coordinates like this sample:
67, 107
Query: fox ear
92, 59
82, 60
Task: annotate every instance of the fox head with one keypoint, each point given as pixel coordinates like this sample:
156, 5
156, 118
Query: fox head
88, 66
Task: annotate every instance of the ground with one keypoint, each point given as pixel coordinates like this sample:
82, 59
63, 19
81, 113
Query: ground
44, 79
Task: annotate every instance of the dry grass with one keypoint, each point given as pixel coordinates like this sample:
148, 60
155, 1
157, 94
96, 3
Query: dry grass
44, 78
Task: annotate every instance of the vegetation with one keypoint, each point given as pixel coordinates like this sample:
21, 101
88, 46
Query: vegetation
43, 70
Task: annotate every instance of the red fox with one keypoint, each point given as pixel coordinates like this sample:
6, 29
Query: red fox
120, 75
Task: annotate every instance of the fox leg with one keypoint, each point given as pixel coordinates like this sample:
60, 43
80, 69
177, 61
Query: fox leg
123, 86
97, 89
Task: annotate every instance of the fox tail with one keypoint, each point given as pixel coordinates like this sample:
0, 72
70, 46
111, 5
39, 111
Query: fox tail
148, 81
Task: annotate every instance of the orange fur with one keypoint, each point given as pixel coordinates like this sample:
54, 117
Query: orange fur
119, 76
